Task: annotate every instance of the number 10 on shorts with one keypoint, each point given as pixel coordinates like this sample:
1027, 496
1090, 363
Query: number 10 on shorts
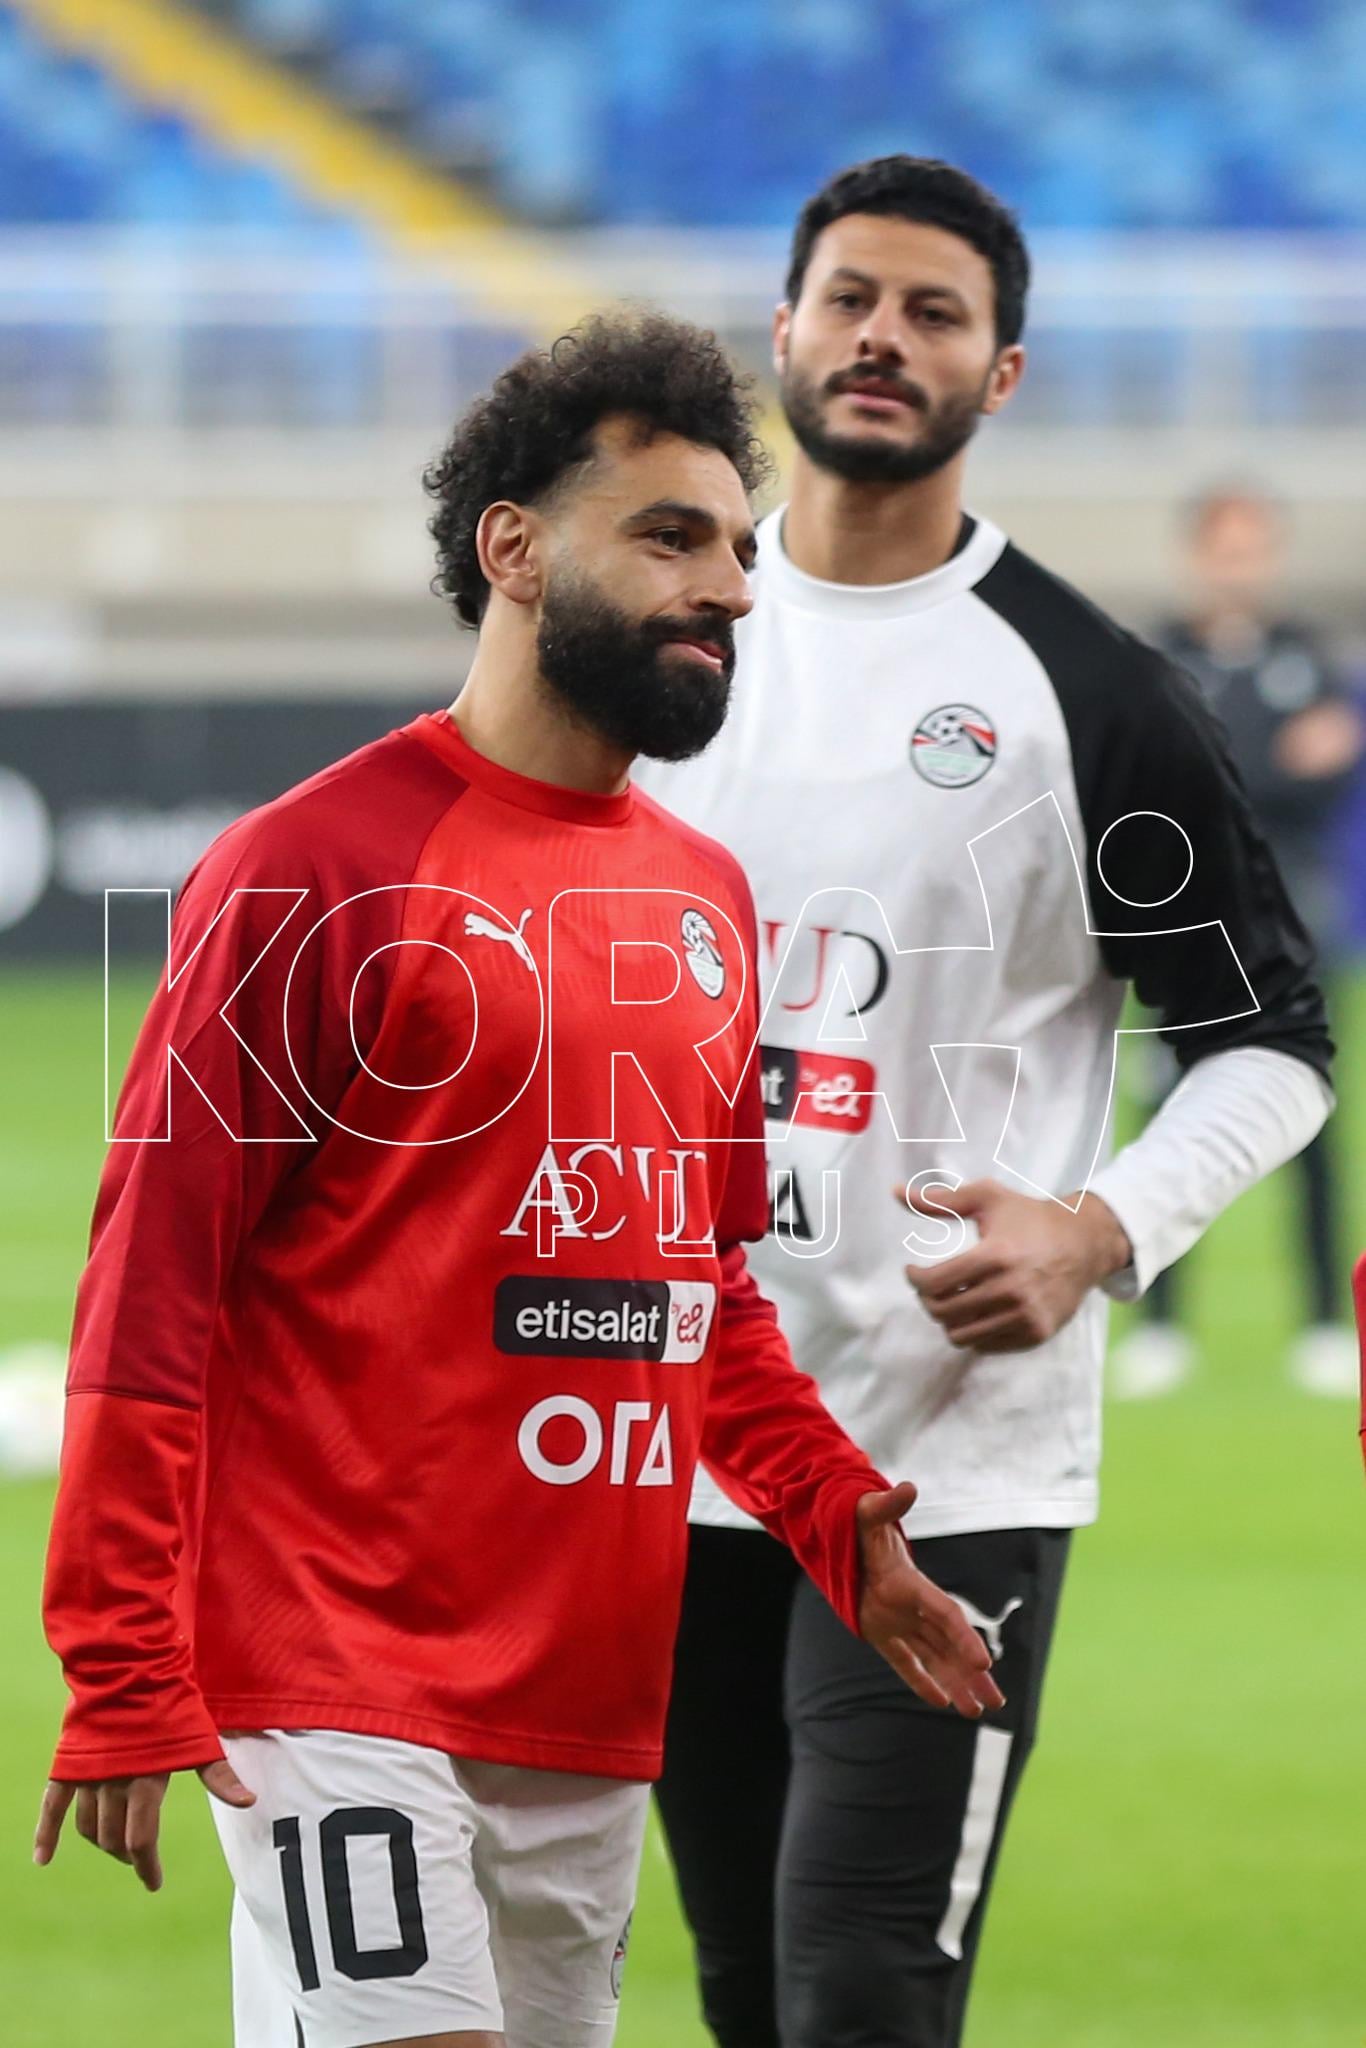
335, 1834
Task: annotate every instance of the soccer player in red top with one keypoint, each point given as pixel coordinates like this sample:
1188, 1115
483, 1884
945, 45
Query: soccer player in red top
416, 1286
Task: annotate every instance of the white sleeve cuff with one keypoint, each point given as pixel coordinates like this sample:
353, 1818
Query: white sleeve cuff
1234, 1118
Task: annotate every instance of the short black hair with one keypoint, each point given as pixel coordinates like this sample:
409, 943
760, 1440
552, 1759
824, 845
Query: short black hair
535, 427
921, 188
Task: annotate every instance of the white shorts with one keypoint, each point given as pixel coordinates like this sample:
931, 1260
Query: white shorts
386, 1891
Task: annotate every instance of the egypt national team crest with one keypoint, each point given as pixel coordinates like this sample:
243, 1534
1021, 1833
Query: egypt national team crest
954, 746
703, 952
619, 1956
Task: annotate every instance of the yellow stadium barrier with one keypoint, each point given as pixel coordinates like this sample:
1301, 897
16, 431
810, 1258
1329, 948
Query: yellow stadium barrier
169, 57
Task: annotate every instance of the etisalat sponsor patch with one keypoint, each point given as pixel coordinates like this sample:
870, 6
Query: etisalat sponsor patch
668, 1320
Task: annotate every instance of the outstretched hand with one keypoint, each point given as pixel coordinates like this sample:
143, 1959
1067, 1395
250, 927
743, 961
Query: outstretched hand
122, 1816
923, 1634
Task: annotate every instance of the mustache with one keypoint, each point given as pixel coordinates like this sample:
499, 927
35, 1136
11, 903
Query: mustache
897, 386
718, 627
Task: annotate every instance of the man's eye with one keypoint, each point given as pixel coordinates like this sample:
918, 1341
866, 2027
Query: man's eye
936, 316
670, 537
848, 299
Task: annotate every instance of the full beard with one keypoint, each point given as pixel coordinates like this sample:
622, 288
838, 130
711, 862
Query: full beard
868, 459
618, 677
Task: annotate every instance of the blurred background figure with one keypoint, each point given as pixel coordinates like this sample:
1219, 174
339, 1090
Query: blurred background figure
1296, 736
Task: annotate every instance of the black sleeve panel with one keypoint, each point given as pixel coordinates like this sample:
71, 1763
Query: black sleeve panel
1200, 924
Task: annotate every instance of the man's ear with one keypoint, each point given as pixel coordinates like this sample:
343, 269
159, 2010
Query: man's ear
1005, 377
782, 329
509, 541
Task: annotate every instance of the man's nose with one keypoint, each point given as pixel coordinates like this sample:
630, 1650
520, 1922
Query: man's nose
881, 336
726, 589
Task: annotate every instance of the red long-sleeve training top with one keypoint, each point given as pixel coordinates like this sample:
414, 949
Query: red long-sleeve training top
415, 1288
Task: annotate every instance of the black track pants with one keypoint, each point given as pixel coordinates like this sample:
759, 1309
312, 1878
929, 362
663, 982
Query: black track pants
820, 1815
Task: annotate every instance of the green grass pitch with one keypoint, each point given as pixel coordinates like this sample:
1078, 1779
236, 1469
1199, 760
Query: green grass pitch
1187, 1865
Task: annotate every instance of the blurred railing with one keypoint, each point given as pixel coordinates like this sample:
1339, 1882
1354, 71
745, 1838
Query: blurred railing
161, 340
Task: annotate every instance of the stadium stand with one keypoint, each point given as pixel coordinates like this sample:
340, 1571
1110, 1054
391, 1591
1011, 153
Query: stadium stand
77, 147
254, 254
108, 75
145, 115
1188, 113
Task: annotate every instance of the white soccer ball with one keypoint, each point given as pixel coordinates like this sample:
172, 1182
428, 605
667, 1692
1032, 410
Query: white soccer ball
32, 1401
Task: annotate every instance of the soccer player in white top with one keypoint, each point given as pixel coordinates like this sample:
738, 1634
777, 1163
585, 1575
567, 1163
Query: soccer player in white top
973, 811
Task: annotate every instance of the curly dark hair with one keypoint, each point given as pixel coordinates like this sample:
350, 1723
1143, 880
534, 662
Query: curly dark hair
921, 188
534, 428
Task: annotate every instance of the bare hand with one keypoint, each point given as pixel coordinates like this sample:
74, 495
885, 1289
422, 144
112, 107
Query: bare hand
923, 1634
1034, 1265
122, 1816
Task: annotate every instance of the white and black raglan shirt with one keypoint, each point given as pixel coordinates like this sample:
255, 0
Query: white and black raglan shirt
974, 811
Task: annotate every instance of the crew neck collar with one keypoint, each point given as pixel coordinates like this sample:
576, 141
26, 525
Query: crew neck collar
877, 600
439, 731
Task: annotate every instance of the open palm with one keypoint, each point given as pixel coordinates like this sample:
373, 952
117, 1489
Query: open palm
922, 1633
